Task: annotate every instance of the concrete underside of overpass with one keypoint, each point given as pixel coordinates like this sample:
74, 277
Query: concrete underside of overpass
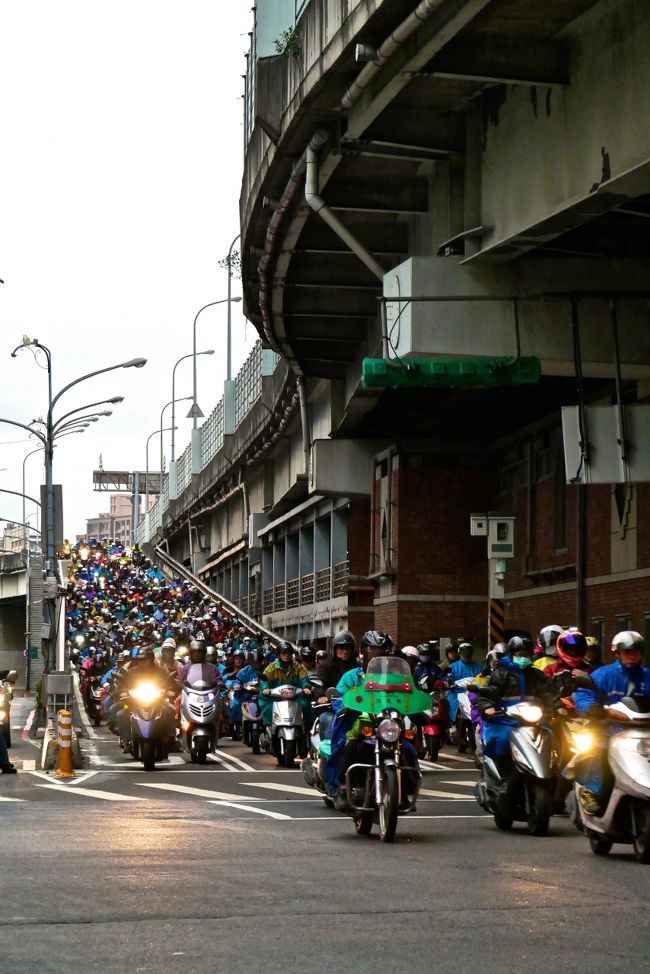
501, 147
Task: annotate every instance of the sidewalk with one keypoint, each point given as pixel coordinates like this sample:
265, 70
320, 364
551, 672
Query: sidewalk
24, 753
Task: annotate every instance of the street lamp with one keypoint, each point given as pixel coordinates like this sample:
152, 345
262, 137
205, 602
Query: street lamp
196, 412
170, 403
112, 402
146, 472
48, 439
194, 408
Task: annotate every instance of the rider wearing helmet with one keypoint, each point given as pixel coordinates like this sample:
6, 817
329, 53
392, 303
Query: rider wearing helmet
233, 682
513, 680
462, 669
594, 653
546, 651
625, 676
308, 659
411, 656
144, 668
427, 671
494, 658
373, 643
284, 671
331, 669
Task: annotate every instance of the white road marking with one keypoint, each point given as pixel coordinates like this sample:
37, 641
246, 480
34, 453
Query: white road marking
12, 799
427, 793
457, 757
109, 796
82, 710
465, 782
29, 765
230, 762
197, 792
273, 786
248, 808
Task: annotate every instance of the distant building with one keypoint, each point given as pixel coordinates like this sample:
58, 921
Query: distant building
13, 538
117, 522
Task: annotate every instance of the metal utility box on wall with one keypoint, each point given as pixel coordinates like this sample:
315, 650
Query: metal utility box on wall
478, 525
501, 535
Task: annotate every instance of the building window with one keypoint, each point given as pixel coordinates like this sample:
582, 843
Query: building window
545, 464
646, 628
597, 630
623, 622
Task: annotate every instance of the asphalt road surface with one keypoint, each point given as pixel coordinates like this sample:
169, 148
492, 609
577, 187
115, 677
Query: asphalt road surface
238, 867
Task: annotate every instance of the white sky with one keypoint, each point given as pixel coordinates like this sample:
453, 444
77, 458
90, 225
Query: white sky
120, 172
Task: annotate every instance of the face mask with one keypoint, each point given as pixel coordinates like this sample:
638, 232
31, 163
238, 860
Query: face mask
522, 661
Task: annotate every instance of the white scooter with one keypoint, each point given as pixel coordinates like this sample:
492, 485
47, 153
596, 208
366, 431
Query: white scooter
626, 817
285, 738
200, 716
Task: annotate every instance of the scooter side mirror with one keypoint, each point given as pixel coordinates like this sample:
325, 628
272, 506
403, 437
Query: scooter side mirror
584, 682
333, 693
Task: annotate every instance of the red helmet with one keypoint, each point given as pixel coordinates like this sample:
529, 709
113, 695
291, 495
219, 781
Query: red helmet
571, 647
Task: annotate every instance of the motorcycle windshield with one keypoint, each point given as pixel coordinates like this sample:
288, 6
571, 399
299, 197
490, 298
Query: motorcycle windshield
388, 685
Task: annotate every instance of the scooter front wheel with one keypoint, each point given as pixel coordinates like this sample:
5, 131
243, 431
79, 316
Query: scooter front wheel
148, 755
255, 741
502, 822
642, 837
599, 845
539, 808
433, 748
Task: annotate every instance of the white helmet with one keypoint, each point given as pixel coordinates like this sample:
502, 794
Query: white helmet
409, 652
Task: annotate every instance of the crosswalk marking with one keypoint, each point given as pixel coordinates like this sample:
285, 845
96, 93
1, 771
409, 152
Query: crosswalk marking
109, 796
198, 792
273, 786
249, 808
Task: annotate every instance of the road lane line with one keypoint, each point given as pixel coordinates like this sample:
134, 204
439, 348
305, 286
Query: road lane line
464, 783
457, 757
249, 808
223, 761
12, 799
235, 760
81, 710
196, 792
453, 796
109, 796
274, 786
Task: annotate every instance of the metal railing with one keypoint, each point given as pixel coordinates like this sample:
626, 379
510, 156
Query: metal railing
307, 589
184, 469
279, 597
340, 575
323, 584
212, 434
293, 593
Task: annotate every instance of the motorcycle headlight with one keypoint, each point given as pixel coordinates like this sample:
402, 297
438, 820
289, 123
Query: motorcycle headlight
530, 712
389, 731
3, 714
146, 693
582, 741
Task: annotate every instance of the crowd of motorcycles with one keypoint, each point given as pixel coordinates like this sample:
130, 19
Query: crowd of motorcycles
140, 644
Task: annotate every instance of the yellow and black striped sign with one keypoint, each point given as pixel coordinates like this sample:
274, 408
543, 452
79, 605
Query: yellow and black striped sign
496, 621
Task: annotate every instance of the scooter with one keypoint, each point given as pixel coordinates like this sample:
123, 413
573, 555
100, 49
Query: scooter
465, 730
521, 786
285, 738
434, 721
320, 731
149, 742
626, 816
200, 716
251, 717
7, 681
93, 698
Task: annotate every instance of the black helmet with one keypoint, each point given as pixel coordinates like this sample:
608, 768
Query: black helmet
520, 644
284, 646
307, 654
344, 639
256, 657
145, 653
198, 651
375, 639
